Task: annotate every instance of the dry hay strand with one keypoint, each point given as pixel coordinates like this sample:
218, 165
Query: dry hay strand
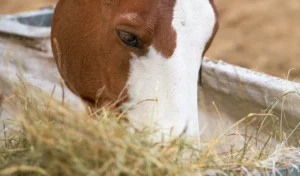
46, 137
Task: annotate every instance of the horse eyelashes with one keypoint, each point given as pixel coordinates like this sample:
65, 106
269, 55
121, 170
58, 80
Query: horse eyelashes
129, 39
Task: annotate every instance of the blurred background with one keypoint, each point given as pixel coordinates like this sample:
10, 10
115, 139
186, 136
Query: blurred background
263, 35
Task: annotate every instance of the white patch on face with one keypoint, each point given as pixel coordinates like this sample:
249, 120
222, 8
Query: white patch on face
173, 81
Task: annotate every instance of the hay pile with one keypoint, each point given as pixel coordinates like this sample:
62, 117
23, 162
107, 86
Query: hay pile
44, 137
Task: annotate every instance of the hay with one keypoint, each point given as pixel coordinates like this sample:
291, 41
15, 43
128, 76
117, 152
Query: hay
46, 137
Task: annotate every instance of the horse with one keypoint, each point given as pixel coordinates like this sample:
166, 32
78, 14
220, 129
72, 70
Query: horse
142, 56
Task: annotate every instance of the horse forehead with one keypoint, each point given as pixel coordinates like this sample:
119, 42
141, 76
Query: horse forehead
140, 4
142, 8
155, 16
150, 17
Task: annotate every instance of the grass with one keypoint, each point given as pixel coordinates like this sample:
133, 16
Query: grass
46, 137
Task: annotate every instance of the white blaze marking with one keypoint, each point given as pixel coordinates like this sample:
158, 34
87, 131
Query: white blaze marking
174, 80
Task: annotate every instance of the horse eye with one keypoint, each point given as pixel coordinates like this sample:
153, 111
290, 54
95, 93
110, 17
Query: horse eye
129, 39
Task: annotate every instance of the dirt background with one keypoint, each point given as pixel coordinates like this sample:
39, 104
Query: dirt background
263, 35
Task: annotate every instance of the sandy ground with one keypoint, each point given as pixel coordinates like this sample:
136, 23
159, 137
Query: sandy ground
11, 6
263, 35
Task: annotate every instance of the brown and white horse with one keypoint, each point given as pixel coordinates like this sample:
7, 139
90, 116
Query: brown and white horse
152, 47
